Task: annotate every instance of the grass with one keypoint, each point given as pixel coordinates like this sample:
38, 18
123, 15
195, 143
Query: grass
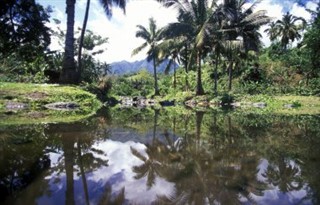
302, 105
37, 95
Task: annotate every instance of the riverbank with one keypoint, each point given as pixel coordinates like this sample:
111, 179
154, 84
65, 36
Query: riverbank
42, 103
22, 103
284, 105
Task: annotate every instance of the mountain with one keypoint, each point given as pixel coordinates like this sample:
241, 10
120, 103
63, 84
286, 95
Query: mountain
125, 67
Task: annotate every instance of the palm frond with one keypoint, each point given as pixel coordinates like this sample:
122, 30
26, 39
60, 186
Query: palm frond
139, 49
233, 45
252, 7
256, 19
143, 33
108, 4
136, 153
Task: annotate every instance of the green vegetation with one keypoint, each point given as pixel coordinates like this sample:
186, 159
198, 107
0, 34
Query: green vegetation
35, 96
217, 46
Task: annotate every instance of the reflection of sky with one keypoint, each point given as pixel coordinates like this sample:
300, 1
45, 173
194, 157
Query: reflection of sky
120, 171
118, 175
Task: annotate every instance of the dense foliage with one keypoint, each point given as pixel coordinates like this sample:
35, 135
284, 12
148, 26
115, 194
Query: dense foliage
24, 40
217, 45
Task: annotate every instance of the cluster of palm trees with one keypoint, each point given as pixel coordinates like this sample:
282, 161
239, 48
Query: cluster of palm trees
205, 27
288, 29
225, 31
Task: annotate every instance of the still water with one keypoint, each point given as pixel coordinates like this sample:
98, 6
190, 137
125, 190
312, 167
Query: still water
145, 156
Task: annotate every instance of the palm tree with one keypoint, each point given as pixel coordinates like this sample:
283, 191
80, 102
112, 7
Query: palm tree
241, 27
84, 26
170, 49
272, 31
70, 73
217, 47
288, 29
151, 36
193, 22
177, 40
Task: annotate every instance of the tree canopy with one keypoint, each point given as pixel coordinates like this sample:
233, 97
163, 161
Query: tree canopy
23, 29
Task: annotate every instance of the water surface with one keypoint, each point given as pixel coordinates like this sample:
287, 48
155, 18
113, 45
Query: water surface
145, 156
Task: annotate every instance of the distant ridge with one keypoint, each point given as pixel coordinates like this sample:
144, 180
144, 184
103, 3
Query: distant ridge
125, 67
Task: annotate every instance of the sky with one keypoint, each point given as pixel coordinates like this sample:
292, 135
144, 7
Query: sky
121, 28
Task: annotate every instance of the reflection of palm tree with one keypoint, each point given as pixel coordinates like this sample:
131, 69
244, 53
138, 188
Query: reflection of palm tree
284, 175
109, 198
83, 176
199, 118
68, 145
151, 166
222, 174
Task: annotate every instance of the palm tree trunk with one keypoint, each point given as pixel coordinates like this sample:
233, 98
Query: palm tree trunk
174, 77
199, 90
230, 75
156, 89
216, 76
84, 26
186, 67
69, 73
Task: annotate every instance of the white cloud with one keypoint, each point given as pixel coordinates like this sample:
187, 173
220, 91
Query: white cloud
121, 28
300, 12
274, 11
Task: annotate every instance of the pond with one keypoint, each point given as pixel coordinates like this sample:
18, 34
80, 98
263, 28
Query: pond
167, 156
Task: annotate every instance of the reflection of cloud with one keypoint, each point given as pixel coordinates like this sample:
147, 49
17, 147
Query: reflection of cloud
121, 161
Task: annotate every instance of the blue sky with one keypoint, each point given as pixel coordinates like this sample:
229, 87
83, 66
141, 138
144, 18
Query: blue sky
121, 28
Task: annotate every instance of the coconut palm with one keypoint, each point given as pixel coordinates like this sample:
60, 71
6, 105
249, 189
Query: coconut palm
240, 27
272, 31
70, 73
288, 29
193, 22
170, 49
177, 40
217, 48
152, 36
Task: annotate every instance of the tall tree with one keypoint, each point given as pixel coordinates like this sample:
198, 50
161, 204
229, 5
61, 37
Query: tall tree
70, 73
152, 36
241, 27
170, 49
272, 31
194, 17
289, 29
84, 27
